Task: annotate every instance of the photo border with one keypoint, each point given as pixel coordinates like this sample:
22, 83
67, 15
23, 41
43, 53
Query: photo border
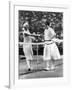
14, 82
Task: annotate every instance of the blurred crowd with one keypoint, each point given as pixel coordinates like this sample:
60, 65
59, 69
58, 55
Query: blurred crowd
35, 19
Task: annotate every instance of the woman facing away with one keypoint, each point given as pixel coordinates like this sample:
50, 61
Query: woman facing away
27, 46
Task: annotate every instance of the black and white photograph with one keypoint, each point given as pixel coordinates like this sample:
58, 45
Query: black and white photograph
40, 44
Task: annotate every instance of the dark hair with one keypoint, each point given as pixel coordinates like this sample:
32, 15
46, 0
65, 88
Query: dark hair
47, 23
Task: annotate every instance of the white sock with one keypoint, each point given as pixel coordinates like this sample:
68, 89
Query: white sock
28, 63
48, 64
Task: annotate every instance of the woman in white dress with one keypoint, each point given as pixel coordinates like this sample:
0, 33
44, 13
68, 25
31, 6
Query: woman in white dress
51, 51
27, 46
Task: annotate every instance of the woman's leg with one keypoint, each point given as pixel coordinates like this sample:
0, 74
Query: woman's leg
48, 64
28, 64
47, 56
52, 64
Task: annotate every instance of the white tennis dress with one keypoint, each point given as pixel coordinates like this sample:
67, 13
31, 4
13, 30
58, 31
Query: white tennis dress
27, 47
50, 49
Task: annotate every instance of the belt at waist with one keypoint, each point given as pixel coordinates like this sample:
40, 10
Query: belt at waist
48, 42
